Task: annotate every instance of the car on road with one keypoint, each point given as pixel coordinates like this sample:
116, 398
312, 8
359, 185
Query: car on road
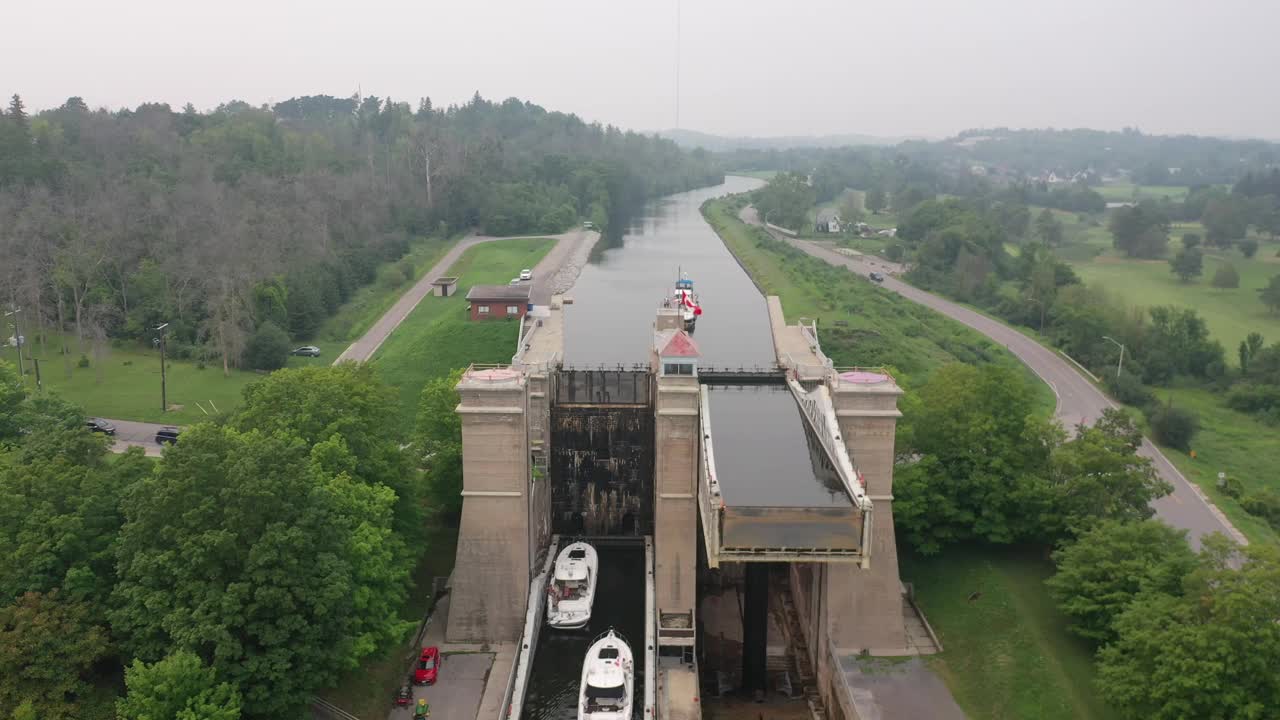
428, 667
167, 434
307, 351
588, 225
100, 426
876, 277
526, 274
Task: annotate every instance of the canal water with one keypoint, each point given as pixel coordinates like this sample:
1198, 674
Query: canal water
621, 288
619, 604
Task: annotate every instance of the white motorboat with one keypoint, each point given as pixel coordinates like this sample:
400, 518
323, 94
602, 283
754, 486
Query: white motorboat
608, 676
573, 587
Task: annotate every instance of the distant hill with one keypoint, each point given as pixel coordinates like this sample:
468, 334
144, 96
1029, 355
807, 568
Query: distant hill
721, 143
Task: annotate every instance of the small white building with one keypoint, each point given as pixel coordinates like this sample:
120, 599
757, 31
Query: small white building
828, 221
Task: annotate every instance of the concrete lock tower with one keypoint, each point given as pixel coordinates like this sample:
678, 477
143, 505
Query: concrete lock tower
492, 573
866, 604
675, 510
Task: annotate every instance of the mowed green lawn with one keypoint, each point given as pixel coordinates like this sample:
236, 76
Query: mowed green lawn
1126, 192
438, 336
1231, 314
128, 386
1006, 652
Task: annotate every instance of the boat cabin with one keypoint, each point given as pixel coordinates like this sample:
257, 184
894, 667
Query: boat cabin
573, 575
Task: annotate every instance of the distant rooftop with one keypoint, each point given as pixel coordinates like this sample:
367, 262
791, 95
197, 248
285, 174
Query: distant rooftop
499, 292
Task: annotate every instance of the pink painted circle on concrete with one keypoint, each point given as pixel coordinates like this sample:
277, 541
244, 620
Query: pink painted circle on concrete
494, 374
862, 377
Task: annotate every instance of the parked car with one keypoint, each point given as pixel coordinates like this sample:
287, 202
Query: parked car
428, 667
404, 695
588, 225
877, 277
307, 351
167, 434
101, 426
526, 274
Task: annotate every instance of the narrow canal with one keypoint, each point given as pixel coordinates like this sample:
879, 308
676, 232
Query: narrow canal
619, 291
610, 323
619, 604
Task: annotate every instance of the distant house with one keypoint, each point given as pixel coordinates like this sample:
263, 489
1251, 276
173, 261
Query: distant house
828, 221
498, 301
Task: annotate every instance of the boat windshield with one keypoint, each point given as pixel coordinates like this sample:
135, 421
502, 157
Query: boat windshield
608, 653
569, 589
605, 695
578, 554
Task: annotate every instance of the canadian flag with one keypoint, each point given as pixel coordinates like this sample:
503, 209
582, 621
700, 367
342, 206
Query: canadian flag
687, 299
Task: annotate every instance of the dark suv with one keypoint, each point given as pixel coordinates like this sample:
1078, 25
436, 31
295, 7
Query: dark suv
877, 277
167, 435
101, 426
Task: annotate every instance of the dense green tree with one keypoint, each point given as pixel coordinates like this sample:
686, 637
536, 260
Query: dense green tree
439, 442
1249, 348
1248, 248
786, 200
1209, 651
1270, 295
268, 348
1190, 240
261, 551
180, 687
1187, 264
1049, 228
17, 110
1177, 342
1172, 426
1098, 476
1102, 570
347, 402
1225, 221
48, 648
1140, 231
1226, 277
948, 493
58, 524
876, 200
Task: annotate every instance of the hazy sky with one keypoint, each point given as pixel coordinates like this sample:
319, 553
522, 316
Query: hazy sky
790, 67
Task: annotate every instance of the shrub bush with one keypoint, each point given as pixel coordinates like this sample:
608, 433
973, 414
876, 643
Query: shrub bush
83, 362
895, 252
1128, 389
268, 349
407, 270
1232, 487
1172, 426
1264, 504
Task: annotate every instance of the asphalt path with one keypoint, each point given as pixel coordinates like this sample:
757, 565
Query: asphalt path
1079, 400
139, 434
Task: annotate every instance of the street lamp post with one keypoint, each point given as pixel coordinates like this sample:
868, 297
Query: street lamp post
17, 338
1119, 365
164, 400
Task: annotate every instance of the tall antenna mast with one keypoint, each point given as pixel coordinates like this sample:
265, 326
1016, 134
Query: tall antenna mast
677, 64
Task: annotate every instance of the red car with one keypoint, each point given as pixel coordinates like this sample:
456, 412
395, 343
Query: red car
424, 673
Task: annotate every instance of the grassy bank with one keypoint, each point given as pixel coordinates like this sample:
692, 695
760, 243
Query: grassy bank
438, 335
859, 323
1007, 654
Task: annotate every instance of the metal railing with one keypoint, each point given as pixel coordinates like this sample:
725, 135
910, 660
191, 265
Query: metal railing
710, 502
650, 629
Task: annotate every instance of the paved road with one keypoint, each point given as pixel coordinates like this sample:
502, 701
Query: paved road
1079, 400
130, 434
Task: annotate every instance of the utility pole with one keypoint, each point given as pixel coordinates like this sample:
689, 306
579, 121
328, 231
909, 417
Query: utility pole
17, 339
1119, 365
164, 400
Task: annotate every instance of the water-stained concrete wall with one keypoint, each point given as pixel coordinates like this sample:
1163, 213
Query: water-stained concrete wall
602, 453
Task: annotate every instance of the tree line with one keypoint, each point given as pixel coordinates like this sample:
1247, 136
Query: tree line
223, 222
256, 560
